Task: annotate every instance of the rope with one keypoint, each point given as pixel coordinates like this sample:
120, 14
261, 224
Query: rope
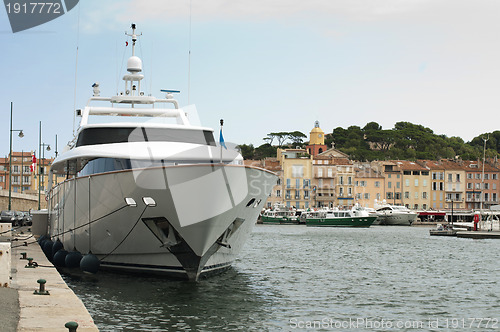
126, 236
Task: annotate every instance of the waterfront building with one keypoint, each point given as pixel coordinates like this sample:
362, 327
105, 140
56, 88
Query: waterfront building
316, 140
481, 191
369, 184
393, 178
296, 165
415, 185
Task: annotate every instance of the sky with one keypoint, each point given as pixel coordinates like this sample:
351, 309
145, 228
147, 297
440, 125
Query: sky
263, 65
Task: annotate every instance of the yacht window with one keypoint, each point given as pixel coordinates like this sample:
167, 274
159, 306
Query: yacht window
93, 136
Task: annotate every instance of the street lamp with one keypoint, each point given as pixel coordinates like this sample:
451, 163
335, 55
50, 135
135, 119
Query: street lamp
21, 135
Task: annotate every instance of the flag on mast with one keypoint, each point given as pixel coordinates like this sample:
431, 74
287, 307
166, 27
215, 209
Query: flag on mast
221, 138
33, 162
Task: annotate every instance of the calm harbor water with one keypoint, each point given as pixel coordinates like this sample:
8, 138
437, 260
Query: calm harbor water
295, 278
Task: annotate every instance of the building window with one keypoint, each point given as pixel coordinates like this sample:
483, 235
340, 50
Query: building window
389, 195
424, 206
486, 186
307, 183
288, 183
494, 199
486, 176
407, 182
415, 206
469, 175
469, 185
398, 195
458, 177
341, 180
297, 183
320, 172
297, 171
397, 185
424, 195
378, 196
279, 182
26, 179
341, 191
320, 183
424, 183
367, 195
297, 194
416, 194
377, 184
16, 169
416, 182
15, 179
494, 176
450, 177
349, 180
306, 194
389, 184
330, 173
349, 191
287, 195
478, 176
278, 193
407, 194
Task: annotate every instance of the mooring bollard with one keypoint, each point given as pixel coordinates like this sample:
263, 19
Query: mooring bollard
42, 290
30, 263
23, 255
71, 326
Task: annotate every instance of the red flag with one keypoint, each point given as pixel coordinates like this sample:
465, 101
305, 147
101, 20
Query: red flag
126, 43
33, 163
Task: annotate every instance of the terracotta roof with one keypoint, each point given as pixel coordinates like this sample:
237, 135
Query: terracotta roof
406, 165
475, 166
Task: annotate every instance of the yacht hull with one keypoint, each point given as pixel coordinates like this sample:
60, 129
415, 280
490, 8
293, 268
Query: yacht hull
391, 218
189, 220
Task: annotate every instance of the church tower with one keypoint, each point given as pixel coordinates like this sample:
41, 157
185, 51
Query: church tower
316, 140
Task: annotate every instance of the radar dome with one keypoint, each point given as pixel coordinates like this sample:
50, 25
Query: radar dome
134, 64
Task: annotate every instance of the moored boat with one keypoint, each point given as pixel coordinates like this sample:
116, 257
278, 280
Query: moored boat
146, 191
395, 215
356, 217
280, 214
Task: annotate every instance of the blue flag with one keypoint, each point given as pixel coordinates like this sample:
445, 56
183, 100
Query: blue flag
221, 140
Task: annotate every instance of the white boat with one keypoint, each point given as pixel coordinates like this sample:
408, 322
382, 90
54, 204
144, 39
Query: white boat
146, 195
395, 215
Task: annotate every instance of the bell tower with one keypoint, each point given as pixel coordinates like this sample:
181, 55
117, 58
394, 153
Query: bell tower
316, 140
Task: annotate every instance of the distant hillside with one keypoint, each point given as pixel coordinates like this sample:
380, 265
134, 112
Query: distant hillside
406, 141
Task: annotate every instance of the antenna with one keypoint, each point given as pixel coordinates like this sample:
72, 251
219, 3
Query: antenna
76, 68
189, 56
134, 37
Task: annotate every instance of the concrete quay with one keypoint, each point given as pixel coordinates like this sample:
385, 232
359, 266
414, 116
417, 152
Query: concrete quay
39, 312
479, 234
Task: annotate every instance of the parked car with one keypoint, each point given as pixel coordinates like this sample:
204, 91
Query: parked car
8, 216
27, 219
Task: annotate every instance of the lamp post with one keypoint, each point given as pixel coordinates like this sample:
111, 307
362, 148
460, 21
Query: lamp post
41, 156
10, 155
42, 163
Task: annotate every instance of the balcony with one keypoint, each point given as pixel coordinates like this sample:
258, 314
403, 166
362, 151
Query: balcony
455, 200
